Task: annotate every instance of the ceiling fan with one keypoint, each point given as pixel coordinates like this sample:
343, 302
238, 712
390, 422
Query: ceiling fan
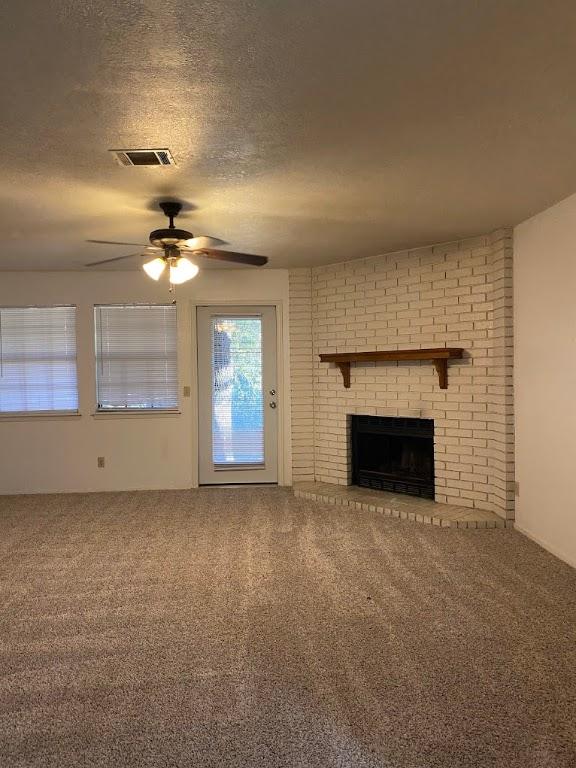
170, 247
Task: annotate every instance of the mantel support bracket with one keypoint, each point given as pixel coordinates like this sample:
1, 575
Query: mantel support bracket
345, 371
442, 369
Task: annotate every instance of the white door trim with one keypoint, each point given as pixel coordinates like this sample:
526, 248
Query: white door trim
283, 374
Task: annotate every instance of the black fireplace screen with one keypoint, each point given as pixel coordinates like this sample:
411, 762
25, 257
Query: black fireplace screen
393, 454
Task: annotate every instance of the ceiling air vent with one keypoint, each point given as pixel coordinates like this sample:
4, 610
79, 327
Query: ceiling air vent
143, 156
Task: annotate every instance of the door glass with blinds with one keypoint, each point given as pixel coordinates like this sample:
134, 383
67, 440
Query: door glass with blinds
237, 403
237, 394
136, 358
38, 359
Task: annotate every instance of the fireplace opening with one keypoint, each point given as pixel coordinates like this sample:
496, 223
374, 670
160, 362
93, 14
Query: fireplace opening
393, 454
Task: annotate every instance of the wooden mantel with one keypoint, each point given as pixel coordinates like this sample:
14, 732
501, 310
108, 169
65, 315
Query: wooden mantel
439, 357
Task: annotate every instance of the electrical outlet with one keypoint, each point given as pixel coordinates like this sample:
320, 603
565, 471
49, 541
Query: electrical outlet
100, 462
186, 391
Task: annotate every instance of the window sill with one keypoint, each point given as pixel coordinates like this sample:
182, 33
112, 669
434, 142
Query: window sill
39, 415
152, 413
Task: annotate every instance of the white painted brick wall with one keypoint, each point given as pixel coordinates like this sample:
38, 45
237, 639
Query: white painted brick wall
459, 294
301, 368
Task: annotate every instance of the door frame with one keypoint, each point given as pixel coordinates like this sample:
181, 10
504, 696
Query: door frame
282, 372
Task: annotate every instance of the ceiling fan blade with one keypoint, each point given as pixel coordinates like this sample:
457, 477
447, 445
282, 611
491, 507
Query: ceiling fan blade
112, 242
203, 241
108, 261
233, 256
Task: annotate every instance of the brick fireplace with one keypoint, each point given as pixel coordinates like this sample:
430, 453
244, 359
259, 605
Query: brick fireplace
454, 295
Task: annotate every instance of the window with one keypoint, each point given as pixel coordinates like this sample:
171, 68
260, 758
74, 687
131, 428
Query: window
237, 404
136, 357
38, 359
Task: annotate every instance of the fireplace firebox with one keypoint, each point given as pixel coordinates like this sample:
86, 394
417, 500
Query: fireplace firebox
393, 454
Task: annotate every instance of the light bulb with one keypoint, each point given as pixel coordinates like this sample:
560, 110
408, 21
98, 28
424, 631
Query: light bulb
182, 271
154, 268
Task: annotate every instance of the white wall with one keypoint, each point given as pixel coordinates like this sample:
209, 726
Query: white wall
52, 454
545, 377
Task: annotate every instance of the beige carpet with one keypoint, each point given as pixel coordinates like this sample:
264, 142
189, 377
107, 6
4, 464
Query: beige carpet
249, 628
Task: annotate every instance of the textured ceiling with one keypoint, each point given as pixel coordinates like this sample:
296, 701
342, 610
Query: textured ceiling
309, 131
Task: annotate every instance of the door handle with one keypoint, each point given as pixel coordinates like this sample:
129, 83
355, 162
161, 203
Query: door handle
272, 405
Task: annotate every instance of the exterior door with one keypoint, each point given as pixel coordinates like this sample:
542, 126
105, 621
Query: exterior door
237, 395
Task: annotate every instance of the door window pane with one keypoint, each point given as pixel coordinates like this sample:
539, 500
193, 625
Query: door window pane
237, 403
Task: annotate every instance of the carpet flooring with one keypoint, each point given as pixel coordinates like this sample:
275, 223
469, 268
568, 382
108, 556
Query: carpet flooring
245, 627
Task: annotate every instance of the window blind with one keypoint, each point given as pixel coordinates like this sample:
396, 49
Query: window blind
38, 359
136, 365
237, 403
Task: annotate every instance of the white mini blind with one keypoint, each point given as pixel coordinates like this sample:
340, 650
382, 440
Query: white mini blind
38, 359
237, 403
136, 364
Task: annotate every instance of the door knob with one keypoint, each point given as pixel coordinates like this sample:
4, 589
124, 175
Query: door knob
272, 392
272, 405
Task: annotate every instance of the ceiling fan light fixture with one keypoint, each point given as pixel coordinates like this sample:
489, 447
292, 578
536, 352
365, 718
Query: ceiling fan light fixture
171, 242
154, 268
182, 271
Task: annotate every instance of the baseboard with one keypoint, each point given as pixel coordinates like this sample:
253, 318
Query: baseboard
63, 491
545, 545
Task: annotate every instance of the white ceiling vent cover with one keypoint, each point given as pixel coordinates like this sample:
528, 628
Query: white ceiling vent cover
148, 157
